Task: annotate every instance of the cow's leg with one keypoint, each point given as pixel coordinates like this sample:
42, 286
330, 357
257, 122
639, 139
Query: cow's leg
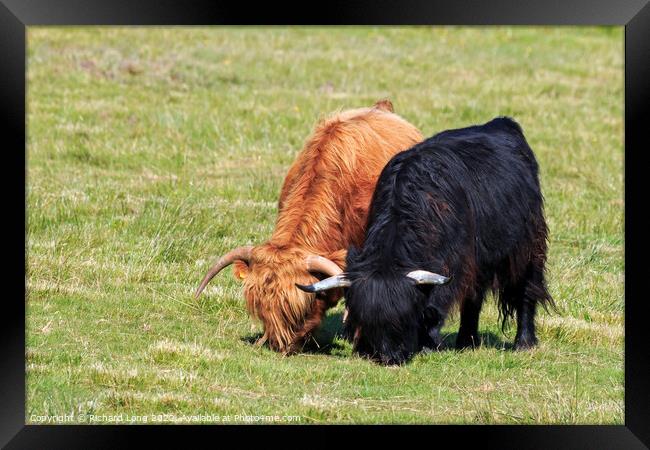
469, 315
525, 337
532, 291
514, 298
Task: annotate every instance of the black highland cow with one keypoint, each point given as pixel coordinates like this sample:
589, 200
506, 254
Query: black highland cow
454, 216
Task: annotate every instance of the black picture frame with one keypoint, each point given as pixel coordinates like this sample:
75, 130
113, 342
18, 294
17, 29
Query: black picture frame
16, 15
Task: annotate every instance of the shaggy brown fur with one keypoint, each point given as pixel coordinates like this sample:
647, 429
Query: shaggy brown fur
323, 209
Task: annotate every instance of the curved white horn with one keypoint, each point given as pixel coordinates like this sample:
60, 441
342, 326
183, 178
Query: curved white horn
336, 281
426, 277
321, 264
240, 253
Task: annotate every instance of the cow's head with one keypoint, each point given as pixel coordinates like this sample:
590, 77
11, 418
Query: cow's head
269, 274
385, 309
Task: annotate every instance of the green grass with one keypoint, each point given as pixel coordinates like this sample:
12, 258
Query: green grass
153, 150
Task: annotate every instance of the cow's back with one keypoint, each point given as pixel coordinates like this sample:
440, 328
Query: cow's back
326, 194
476, 190
500, 181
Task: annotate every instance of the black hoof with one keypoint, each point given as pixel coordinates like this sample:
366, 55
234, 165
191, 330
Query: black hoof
525, 342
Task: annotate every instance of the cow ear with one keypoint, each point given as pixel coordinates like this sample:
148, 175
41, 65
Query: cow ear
240, 269
385, 105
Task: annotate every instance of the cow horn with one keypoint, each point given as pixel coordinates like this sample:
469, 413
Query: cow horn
240, 253
426, 277
321, 264
336, 281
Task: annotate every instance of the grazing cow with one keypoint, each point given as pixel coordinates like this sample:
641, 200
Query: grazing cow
454, 216
323, 209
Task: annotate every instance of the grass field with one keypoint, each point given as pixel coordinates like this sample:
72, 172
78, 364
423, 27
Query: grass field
151, 151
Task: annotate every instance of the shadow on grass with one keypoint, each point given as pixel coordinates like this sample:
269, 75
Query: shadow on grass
488, 340
322, 342
252, 338
327, 339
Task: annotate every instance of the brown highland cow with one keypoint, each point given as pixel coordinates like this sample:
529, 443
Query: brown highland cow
323, 209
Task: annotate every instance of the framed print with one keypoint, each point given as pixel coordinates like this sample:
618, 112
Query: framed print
376, 214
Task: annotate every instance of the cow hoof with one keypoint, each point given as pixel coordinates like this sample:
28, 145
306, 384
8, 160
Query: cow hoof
525, 342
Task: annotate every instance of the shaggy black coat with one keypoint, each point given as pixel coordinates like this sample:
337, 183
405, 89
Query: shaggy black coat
465, 204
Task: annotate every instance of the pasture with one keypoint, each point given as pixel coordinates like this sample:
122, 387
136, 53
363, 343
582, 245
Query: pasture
151, 151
